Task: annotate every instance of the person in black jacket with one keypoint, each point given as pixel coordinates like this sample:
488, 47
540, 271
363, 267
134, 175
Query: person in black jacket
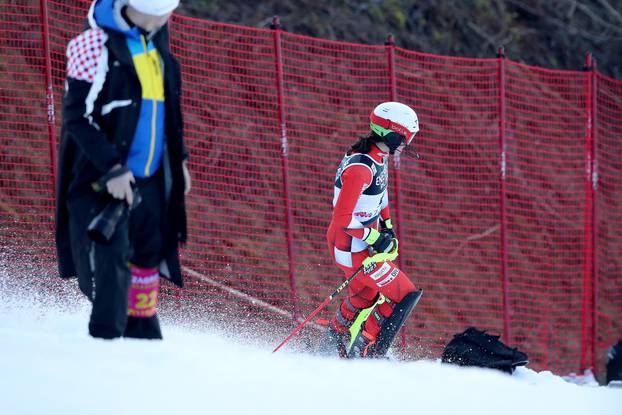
122, 135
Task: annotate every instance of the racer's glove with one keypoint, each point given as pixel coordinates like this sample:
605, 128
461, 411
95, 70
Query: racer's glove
381, 242
387, 227
382, 256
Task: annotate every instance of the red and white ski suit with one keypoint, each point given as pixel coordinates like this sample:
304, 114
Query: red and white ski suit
360, 200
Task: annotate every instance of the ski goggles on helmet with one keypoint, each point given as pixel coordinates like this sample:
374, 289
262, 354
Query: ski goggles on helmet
384, 127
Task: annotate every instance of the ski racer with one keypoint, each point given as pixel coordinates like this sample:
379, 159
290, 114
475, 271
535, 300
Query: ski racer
361, 234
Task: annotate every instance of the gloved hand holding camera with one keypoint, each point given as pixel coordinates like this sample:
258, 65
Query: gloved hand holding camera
118, 183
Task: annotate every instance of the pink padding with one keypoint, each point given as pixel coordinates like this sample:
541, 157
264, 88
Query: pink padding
143, 293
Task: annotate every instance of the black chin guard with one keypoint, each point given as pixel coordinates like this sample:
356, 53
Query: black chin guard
393, 140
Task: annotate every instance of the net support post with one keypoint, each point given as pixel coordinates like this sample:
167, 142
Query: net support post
278, 65
49, 91
589, 319
503, 254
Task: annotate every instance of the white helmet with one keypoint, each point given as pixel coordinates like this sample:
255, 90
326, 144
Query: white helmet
154, 7
395, 122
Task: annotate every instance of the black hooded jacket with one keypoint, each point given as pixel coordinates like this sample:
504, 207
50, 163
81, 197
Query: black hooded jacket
91, 146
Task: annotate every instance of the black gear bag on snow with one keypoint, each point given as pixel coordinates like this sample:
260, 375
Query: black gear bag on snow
475, 347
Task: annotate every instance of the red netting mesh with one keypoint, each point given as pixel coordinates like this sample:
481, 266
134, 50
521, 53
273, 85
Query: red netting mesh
608, 214
449, 204
26, 177
545, 200
494, 216
236, 210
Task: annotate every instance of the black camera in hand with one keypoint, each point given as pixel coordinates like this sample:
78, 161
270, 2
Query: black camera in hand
103, 225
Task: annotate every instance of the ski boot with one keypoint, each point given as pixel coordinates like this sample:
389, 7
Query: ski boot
337, 336
367, 346
333, 343
362, 346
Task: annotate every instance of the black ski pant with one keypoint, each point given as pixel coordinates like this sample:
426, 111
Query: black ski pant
103, 268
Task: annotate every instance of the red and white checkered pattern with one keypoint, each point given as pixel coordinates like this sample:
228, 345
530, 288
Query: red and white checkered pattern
83, 52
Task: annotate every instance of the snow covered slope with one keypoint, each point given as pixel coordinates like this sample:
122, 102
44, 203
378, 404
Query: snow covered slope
49, 365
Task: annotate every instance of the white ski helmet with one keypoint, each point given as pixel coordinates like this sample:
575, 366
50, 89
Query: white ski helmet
395, 122
154, 7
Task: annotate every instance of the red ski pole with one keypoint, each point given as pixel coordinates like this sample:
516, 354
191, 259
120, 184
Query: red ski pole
321, 306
